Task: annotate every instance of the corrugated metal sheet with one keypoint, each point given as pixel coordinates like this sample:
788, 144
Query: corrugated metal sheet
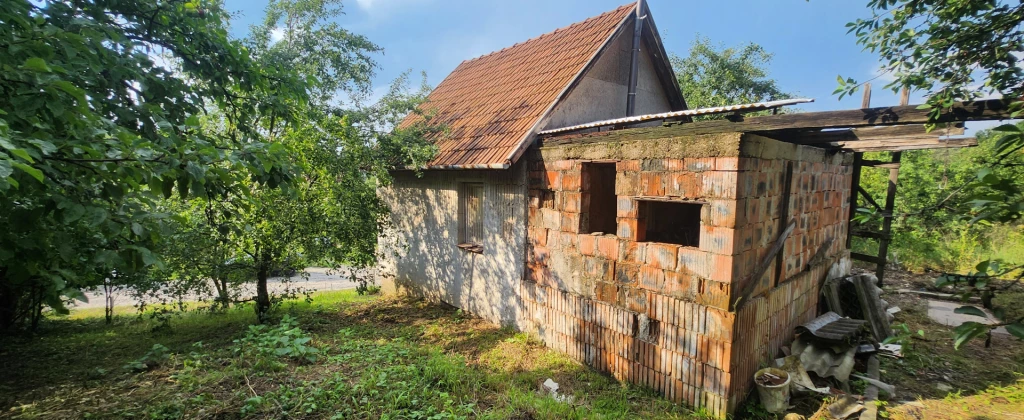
491, 104
676, 114
832, 327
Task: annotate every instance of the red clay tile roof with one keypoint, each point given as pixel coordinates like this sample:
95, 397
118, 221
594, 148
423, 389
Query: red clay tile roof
491, 103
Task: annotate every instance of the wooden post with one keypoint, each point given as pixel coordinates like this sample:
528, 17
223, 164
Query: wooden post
890, 204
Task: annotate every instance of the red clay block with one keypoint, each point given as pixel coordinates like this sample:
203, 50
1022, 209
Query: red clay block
570, 181
721, 268
571, 201
727, 164
588, 245
694, 261
652, 278
678, 284
699, 164
626, 207
662, 256
632, 252
718, 240
627, 274
652, 184
627, 165
608, 247
627, 228
685, 184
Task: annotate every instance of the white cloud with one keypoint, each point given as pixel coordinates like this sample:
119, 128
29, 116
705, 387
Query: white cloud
276, 34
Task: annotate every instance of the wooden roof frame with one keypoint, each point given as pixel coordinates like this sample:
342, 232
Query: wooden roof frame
902, 127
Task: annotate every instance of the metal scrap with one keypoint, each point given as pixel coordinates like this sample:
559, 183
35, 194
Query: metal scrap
796, 371
832, 327
676, 114
845, 407
825, 360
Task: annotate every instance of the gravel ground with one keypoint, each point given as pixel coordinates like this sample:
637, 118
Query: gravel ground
318, 279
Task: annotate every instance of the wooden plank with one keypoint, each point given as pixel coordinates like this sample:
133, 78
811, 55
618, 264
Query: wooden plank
865, 257
993, 109
787, 188
899, 146
890, 205
855, 185
870, 234
880, 164
751, 282
892, 132
864, 193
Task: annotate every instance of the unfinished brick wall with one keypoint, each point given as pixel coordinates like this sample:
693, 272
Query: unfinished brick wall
664, 315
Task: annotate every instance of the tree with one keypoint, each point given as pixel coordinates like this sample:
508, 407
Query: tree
94, 131
713, 76
959, 51
329, 213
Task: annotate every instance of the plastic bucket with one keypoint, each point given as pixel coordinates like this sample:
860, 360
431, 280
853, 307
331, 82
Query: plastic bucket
774, 398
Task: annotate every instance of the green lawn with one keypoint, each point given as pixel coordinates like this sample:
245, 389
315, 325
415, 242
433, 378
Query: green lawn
367, 358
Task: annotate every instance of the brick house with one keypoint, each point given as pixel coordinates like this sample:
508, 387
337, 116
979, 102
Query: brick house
678, 256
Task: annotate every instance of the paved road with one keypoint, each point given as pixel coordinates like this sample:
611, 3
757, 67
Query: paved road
318, 279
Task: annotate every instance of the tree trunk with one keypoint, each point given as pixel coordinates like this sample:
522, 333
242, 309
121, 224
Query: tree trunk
8, 304
262, 295
223, 298
108, 308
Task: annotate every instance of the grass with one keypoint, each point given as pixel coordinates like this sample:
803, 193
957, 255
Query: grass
374, 358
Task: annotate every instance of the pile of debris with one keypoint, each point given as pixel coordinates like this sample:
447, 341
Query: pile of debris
841, 345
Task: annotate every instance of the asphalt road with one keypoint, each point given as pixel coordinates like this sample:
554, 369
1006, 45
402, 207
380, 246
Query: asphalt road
318, 280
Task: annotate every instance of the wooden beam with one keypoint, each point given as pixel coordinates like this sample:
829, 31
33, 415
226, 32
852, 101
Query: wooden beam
880, 164
915, 144
815, 137
994, 109
868, 197
867, 258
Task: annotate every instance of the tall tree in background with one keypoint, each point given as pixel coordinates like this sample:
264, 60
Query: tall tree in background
713, 76
959, 51
330, 213
94, 132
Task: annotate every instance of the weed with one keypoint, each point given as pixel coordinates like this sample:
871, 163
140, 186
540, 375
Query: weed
263, 346
153, 358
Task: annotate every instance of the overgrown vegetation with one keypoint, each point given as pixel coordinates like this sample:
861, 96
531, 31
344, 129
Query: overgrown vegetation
143, 148
344, 356
962, 51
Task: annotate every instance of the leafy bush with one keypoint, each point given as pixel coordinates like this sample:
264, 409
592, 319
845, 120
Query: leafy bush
263, 345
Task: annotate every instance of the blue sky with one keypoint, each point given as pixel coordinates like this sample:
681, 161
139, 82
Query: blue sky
808, 38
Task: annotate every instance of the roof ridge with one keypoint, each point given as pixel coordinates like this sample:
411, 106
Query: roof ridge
615, 10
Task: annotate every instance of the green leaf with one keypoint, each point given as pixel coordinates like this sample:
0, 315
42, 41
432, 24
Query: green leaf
33, 172
23, 154
967, 331
1017, 329
168, 186
137, 229
73, 213
37, 64
970, 310
5, 168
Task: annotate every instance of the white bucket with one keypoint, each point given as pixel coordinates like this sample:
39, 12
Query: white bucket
774, 398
